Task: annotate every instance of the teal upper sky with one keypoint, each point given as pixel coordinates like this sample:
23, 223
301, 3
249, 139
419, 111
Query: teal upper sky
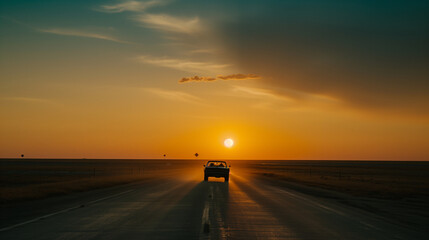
348, 49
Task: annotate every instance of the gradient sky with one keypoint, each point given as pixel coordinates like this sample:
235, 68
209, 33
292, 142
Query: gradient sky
285, 79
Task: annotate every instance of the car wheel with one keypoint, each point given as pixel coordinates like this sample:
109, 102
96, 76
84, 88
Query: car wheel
206, 178
226, 178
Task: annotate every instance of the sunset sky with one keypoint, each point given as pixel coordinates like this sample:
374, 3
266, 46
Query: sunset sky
295, 79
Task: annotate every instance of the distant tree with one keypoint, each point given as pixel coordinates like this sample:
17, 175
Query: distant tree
165, 155
22, 155
196, 155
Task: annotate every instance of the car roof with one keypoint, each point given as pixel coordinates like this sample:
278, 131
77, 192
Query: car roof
216, 161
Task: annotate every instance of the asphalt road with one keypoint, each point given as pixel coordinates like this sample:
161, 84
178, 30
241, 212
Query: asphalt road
185, 207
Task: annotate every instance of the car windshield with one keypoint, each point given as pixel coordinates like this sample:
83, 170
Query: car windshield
216, 164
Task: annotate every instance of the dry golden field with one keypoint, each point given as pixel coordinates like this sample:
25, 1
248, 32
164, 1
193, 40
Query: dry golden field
376, 179
26, 179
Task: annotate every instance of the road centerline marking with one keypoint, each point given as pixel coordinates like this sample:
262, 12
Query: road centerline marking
206, 218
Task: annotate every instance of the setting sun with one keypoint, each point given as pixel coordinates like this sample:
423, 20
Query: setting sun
228, 143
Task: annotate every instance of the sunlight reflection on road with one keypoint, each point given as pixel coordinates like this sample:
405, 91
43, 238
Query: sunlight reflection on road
248, 218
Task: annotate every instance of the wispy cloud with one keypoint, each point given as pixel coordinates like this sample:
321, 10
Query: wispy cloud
81, 33
27, 99
261, 92
184, 65
204, 51
131, 6
169, 23
31, 100
286, 98
238, 76
197, 79
174, 95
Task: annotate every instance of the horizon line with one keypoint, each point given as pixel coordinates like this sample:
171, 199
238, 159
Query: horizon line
209, 159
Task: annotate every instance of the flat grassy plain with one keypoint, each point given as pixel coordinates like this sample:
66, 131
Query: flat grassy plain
28, 179
395, 191
374, 179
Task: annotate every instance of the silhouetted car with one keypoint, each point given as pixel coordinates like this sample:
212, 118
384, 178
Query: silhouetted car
216, 169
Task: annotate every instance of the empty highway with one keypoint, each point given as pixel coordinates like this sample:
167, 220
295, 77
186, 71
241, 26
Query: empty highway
182, 206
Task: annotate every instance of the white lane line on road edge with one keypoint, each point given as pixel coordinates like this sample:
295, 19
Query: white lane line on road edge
314, 203
111, 196
329, 209
62, 211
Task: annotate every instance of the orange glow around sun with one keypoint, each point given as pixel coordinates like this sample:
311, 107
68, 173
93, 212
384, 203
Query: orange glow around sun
228, 142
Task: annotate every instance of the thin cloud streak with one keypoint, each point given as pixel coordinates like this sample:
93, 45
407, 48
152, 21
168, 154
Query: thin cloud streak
238, 76
169, 23
288, 99
260, 92
174, 95
197, 79
131, 6
27, 99
204, 51
30, 100
80, 33
183, 65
